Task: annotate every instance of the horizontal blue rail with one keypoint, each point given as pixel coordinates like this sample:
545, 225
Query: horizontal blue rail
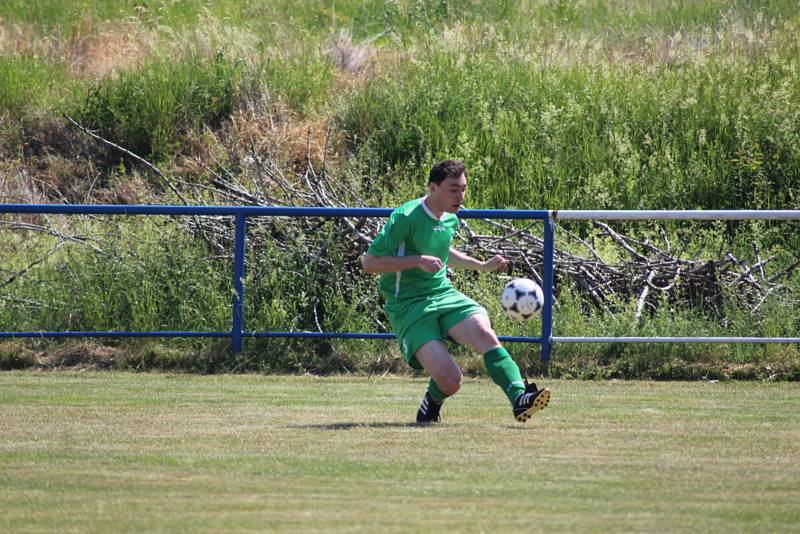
248, 211
187, 333
367, 335
291, 211
660, 339
113, 333
676, 215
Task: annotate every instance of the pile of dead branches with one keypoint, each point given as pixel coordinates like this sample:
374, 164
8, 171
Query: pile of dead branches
652, 275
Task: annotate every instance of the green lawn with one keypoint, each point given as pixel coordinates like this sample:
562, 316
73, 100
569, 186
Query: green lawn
117, 451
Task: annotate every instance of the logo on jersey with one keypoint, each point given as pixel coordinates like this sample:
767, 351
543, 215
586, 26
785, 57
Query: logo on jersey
439, 228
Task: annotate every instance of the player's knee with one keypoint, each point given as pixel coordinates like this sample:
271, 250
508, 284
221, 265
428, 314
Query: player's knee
486, 338
488, 334
450, 384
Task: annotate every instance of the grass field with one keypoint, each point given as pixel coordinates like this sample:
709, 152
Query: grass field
119, 452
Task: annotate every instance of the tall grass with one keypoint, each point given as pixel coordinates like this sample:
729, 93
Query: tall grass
634, 19
363, 18
149, 109
50, 14
150, 275
407, 17
146, 277
30, 86
715, 132
302, 80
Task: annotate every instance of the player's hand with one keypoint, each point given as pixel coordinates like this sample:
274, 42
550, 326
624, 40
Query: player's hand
497, 264
430, 264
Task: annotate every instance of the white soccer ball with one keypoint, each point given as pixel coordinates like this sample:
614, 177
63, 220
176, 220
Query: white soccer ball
522, 299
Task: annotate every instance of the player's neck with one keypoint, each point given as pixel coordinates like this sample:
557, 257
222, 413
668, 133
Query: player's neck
432, 208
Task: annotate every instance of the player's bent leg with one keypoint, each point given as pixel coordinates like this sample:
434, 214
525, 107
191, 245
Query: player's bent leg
436, 359
445, 380
475, 331
526, 399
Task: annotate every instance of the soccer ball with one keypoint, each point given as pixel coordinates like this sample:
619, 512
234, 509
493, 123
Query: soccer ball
522, 298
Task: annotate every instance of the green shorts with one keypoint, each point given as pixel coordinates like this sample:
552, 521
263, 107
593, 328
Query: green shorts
415, 322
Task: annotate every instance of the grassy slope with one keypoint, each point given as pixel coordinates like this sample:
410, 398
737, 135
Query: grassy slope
154, 452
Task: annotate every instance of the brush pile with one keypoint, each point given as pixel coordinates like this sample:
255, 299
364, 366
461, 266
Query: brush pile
652, 274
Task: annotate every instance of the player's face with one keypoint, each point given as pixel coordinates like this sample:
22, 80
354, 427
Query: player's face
449, 195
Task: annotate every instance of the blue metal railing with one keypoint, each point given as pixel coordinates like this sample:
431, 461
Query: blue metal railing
241, 213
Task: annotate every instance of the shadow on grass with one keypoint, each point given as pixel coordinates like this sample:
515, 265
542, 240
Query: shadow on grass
350, 426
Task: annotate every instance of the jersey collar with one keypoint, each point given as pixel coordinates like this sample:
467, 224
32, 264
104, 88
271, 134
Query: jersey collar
428, 211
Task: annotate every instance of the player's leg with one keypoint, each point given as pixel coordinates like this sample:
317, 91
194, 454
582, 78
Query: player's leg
445, 379
444, 371
419, 337
476, 331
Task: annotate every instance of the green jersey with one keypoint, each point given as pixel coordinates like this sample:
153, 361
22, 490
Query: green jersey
413, 230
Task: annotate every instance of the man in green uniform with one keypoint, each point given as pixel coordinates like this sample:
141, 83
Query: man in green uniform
411, 253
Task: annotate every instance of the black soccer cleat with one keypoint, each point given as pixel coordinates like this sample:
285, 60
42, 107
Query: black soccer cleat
531, 401
429, 410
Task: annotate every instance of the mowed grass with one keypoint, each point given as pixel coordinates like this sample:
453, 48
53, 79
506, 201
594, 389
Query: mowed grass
118, 451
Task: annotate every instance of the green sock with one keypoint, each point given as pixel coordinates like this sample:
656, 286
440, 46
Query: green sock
435, 392
504, 372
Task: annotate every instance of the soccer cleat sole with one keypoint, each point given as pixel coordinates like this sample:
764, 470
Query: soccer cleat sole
539, 403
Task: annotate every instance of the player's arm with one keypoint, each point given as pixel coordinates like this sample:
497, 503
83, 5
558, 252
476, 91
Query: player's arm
460, 260
391, 264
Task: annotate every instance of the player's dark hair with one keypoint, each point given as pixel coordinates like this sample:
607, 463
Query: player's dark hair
451, 168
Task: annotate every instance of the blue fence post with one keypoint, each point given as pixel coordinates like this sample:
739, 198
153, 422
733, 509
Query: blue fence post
238, 284
547, 279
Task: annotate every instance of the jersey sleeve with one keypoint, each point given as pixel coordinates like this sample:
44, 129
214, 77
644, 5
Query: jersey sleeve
394, 232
